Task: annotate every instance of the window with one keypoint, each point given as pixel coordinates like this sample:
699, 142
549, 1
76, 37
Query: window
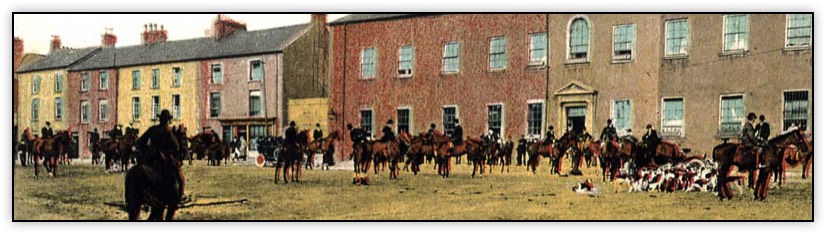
58, 108
103, 77
136, 108
367, 121
256, 131
35, 109
495, 118
156, 78
214, 105
176, 106
799, 30
624, 41
256, 70
84, 111
450, 59
103, 110
673, 117
676, 38
796, 109
368, 63
535, 112
176, 77
406, 55
449, 114
255, 103
731, 114
498, 55
136, 79
58, 83
579, 39
403, 116
36, 84
736, 33
539, 49
156, 106
622, 116
217, 74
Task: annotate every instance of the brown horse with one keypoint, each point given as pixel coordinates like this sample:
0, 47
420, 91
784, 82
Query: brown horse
591, 152
729, 155
50, 151
613, 158
536, 151
217, 152
325, 146
391, 152
568, 142
156, 188
504, 157
794, 157
119, 150
27, 148
362, 157
472, 147
418, 149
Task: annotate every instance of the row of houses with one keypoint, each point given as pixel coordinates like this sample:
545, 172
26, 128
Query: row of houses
693, 76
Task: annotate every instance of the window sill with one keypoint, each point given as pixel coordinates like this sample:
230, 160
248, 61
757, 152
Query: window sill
536, 67
253, 81
622, 61
796, 48
405, 77
497, 70
676, 57
577, 62
450, 73
733, 54
367, 78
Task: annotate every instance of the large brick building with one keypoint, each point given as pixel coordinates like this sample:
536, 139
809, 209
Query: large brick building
517, 74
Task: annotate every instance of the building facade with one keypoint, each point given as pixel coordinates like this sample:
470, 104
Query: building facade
145, 90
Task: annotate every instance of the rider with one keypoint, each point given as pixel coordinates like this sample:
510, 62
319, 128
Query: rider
290, 135
388, 135
521, 148
749, 138
609, 135
550, 138
650, 139
47, 132
94, 139
317, 133
585, 136
430, 133
158, 145
763, 129
457, 136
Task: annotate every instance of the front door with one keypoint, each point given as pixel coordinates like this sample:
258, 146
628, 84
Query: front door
576, 117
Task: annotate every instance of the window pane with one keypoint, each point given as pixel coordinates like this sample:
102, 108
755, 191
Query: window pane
448, 117
368, 57
217, 74
736, 33
136, 79
677, 37
403, 116
214, 105
256, 70
673, 117
796, 109
579, 39
255, 103
731, 116
367, 121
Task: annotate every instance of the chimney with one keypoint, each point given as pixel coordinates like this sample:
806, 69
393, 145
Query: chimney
151, 34
224, 26
108, 38
18, 52
319, 19
56, 43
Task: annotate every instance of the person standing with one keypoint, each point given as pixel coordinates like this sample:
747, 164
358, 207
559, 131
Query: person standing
521, 149
763, 129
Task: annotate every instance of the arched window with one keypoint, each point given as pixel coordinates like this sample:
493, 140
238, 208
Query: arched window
579, 39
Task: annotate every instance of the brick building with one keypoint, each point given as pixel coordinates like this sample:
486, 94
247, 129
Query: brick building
20, 59
693, 76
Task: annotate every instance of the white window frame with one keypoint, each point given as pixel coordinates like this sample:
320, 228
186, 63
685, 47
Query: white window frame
748, 31
249, 104
504, 53
84, 106
155, 111
587, 58
156, 85
249, 69
720, 110
136, 112
541, 121
177, 76
501, 117
633, 42
544, 59
412, 61
458, 57
455, 116
409, 118
786, 33
687, 38
783, 108
137, 85
212, 73
623, 132
362, 63
101, 104
177, 111
100, 80
372, 121
35, 111
85, 81
36, 84
211, 104
59, 81
59, 109
662, 115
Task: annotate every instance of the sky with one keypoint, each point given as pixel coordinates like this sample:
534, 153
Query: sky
84, 30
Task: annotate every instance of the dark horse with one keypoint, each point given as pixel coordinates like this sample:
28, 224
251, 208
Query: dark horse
362, 157
119, 150
418, 149
728, 155
292, 156
154, 186
391, 152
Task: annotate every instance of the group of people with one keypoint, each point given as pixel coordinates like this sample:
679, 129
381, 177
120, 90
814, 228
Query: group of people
754, 137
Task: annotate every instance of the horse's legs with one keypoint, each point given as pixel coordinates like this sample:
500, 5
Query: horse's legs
807, 164
170, 212
156, 213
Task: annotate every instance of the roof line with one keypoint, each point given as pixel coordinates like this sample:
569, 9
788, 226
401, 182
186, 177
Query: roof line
178, 61
339, 22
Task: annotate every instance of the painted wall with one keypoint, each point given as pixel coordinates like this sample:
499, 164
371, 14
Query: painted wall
94, 96
188, 90
47, 96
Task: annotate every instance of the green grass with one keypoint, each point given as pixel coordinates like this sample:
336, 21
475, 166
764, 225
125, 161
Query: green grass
80, 192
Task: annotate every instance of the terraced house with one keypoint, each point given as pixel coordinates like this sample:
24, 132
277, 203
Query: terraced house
21, 59
43, 93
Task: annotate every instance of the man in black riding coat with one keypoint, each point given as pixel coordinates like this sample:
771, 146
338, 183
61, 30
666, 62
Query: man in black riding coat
651, 140
94, 139
317, 133
609, 135
458, 133
158, 146
47, 132
521, 149
388, 135
549, 136
430, 131
748, 137
290, 135
763, 129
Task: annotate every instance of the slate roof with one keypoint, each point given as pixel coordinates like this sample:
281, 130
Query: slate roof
358, 18
58, 59
236, 44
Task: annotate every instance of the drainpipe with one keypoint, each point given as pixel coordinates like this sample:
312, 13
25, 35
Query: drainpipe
547, 75
344, 85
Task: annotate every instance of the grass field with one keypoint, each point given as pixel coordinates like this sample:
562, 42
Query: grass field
82, 191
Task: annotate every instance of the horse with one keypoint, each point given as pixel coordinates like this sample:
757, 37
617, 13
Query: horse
199, 145
50, 150
216, 152
362, 156
390, 151
155, 187
591, 153
504, 154
474, 148
119, 150
419, 149
297, 156
794, 157
27, 148
95, 148
536, 151
613, 158
728, 155
568, 142
325, 146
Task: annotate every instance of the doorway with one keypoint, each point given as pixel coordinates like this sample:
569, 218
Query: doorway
576, 117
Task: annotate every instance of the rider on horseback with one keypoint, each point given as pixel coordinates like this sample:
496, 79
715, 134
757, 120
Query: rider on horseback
549, 138
158, 146
609, 135
357, 135
749, 139
457, 136
387, 135
290, 137
317, 133
650, 140
430, 131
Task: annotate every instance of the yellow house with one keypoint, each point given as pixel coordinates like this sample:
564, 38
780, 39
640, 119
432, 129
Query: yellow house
143, 91
43, 89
